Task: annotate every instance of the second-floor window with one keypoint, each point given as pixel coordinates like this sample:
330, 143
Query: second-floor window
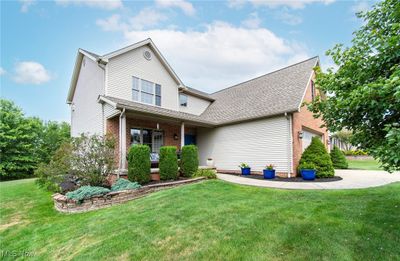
146, 91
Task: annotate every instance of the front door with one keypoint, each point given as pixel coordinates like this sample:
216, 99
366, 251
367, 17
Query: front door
190, 139
158, 141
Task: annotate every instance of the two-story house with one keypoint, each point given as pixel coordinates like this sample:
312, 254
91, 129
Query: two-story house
134, 94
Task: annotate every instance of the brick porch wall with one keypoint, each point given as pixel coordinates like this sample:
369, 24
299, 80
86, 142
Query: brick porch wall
112, 127
305, 119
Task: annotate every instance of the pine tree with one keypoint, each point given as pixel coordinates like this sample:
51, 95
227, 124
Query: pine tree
317, 154
338, 159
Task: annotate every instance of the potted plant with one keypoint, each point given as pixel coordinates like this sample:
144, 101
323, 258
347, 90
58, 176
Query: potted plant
245, 168
269, 172
307, 170
210, 162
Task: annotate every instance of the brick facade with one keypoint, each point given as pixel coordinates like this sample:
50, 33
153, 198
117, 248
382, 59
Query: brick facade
304, 120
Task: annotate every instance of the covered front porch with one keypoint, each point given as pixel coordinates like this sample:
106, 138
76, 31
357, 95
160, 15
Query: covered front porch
130, 128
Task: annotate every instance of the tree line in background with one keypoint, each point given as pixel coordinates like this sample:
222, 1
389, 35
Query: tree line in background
25, 142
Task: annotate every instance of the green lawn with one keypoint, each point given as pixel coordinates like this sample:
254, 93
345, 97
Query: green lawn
364, 164
211, 220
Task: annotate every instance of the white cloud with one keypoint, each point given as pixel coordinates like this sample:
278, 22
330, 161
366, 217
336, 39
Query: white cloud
289, 18
102, 4
252, 22
222, 54
146, 18
237, 4
185, 6
113, 23
360, 6
293, 4
29, 72
26, 4
2, 71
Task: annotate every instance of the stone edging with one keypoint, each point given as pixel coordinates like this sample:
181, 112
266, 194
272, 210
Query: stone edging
62, 204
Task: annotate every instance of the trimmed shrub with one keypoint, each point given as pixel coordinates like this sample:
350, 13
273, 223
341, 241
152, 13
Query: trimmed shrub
168, 163
307, 165
189, 160
207, 173
123, 184
86, 192
338, 159
317, 154
139, 164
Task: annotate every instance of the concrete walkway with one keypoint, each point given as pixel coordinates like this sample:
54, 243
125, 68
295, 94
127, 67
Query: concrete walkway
352, 179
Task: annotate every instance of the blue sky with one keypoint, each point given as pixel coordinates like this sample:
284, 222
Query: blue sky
211, 45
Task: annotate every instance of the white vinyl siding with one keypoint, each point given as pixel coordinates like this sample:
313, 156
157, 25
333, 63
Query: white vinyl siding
121, 68
194, 105
86, 112
256, 143
109, 111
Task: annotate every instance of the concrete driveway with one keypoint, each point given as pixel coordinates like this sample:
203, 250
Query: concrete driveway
352, 179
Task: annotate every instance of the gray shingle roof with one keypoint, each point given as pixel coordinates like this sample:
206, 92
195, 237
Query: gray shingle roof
271, 94
150, 109
268, 95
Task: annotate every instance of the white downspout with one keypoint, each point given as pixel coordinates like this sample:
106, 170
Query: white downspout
290, 143
121, 134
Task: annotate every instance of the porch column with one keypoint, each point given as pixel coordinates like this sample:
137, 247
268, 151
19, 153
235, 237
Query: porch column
182, 134
122, 141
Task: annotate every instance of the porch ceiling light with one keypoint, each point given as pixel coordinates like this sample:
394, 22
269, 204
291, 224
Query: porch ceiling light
175, 136
301, 134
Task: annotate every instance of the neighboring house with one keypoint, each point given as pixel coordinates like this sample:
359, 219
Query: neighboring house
134, 94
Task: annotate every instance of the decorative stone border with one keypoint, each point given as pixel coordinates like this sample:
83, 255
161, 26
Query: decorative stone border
62, 204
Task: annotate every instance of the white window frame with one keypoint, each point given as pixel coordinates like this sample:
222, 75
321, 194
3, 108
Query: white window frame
140, 91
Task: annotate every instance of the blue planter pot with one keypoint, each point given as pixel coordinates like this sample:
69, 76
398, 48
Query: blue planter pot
308, 174
269, 173
246, 171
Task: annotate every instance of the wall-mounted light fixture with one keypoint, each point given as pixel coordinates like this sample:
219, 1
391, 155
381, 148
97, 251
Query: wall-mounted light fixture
175, 136
158, 126
301, 134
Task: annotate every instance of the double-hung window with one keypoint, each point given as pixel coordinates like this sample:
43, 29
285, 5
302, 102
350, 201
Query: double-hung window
146, 91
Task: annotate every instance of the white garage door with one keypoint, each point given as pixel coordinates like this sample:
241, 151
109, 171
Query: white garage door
307, 136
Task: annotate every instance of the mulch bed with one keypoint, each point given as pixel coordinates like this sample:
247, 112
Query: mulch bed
296, 179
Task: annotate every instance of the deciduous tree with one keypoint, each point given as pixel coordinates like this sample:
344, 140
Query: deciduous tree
364, 92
